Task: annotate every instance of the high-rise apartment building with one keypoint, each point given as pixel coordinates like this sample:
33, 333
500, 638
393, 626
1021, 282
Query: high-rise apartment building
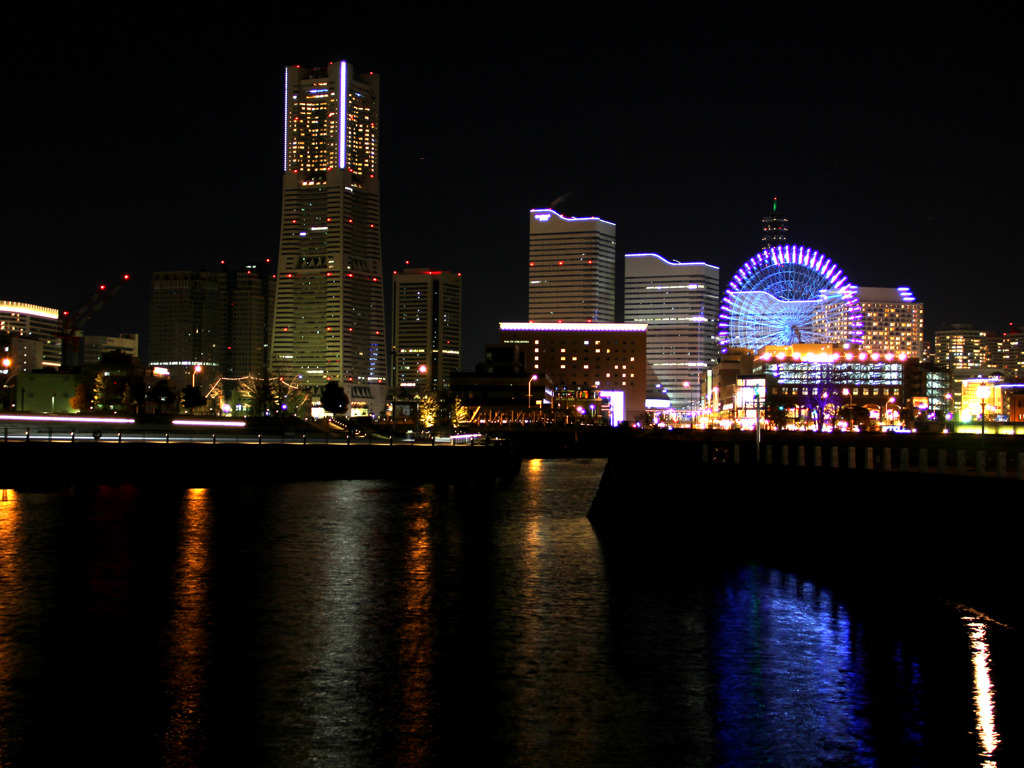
1005, 351
960, 349
679, 304
893, 320
426, 308
329, 307
572, 269
774, 228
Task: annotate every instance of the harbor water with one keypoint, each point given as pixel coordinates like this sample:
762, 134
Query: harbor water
374, 623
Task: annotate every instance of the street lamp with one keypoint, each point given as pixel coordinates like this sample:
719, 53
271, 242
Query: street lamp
983, 392
529, 392
197, 368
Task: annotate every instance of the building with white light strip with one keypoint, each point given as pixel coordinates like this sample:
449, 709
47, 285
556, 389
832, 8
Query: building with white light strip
572, 269
329, 308
679, 304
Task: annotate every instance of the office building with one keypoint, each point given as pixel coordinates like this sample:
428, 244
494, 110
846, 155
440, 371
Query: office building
774, 228
572, 269
95, 347
679, 304
893, 320
426, 310
329, 308
581, 358
250, 315
188, 318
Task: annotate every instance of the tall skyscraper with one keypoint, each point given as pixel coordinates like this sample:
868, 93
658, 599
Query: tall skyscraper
679, 303
426, 310
572, 269
329, 308
774, 228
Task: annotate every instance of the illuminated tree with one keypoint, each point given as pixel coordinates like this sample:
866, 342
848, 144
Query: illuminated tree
441, 411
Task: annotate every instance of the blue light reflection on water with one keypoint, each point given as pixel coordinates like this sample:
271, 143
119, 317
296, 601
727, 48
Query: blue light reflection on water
791, 678
363, 623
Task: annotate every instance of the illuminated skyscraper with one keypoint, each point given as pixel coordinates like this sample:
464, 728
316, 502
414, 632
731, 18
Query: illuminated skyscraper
774, 228
427, 327
679, 304
329, 308
572, 269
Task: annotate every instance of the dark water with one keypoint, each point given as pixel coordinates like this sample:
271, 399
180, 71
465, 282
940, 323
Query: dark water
366, 623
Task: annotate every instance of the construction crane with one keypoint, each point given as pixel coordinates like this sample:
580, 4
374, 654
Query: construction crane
71, 323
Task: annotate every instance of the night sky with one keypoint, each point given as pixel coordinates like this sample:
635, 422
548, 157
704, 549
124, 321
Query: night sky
892, 141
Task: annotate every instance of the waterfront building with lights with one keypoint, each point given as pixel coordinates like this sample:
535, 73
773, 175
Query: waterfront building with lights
610, 358
572, 269
426, 308
329, 308
893, 320
804, 382
679, 304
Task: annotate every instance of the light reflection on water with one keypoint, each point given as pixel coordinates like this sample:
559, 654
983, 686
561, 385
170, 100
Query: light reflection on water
366, 623
984, 691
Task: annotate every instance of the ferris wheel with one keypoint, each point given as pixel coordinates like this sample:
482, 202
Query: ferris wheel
789, 294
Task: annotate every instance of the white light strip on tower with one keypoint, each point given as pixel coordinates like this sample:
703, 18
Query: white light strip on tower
286, 119
343, 111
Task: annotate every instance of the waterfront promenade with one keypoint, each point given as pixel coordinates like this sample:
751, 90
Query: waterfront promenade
203, 452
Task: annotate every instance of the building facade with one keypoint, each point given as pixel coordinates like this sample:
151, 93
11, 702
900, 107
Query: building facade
572, 269
329, 307
679, 304
188, 323
30, 335
774, 228
95, 347
426, 308
893, 320
580, 357
960, 348
250, 315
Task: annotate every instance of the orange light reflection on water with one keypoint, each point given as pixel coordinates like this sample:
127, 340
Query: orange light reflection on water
984, 691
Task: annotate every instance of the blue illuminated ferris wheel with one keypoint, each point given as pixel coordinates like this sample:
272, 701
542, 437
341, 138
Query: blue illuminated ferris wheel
789, 294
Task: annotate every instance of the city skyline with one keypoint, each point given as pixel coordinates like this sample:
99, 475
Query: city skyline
682, 137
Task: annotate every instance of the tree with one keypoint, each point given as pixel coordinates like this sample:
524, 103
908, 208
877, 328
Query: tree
334, 399
441, 410
192, 397
161, 395
82, 400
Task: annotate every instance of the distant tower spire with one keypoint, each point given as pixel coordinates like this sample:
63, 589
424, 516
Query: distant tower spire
773, 228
